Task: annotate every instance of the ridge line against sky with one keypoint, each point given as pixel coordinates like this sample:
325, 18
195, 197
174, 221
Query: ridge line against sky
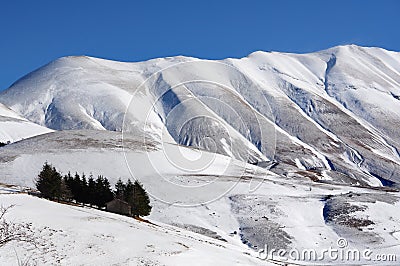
34, 33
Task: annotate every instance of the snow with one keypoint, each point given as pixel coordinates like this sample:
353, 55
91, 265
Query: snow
186, 193
299, 165
84, 236
193, 132
13, 127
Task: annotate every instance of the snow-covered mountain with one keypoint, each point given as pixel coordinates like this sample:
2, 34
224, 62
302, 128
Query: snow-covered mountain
334, 112
288, 150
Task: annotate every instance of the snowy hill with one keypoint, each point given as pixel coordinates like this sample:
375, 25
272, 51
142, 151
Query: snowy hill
78, 236
13, 127
235, 206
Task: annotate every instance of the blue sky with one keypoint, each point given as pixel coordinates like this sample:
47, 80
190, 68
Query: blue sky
32, 33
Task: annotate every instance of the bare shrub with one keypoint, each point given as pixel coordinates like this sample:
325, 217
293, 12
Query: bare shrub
10, 231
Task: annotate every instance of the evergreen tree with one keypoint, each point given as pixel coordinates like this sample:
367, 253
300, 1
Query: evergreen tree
65, 192
84, 190
108, 195
103, 192
48, 182
119, 190
68, 181
141, 201
91, 191
76, 188
98, 200
94, 192
128, 192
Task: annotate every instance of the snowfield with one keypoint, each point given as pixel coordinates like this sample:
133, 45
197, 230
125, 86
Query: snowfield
277, 150
83, 236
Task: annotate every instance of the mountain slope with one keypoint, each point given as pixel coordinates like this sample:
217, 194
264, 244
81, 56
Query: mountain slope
13, 127
100, 152
239, 205
83, 236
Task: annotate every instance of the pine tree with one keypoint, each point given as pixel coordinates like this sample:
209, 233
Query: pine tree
103, 192
48, 182
69, 180
107, 192
128, 192
91, 191
84, 190
65, 192
141, 201
98, 192
119, 190
76, 188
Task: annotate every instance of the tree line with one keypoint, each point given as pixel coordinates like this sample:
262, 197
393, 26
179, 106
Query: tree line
88, 190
